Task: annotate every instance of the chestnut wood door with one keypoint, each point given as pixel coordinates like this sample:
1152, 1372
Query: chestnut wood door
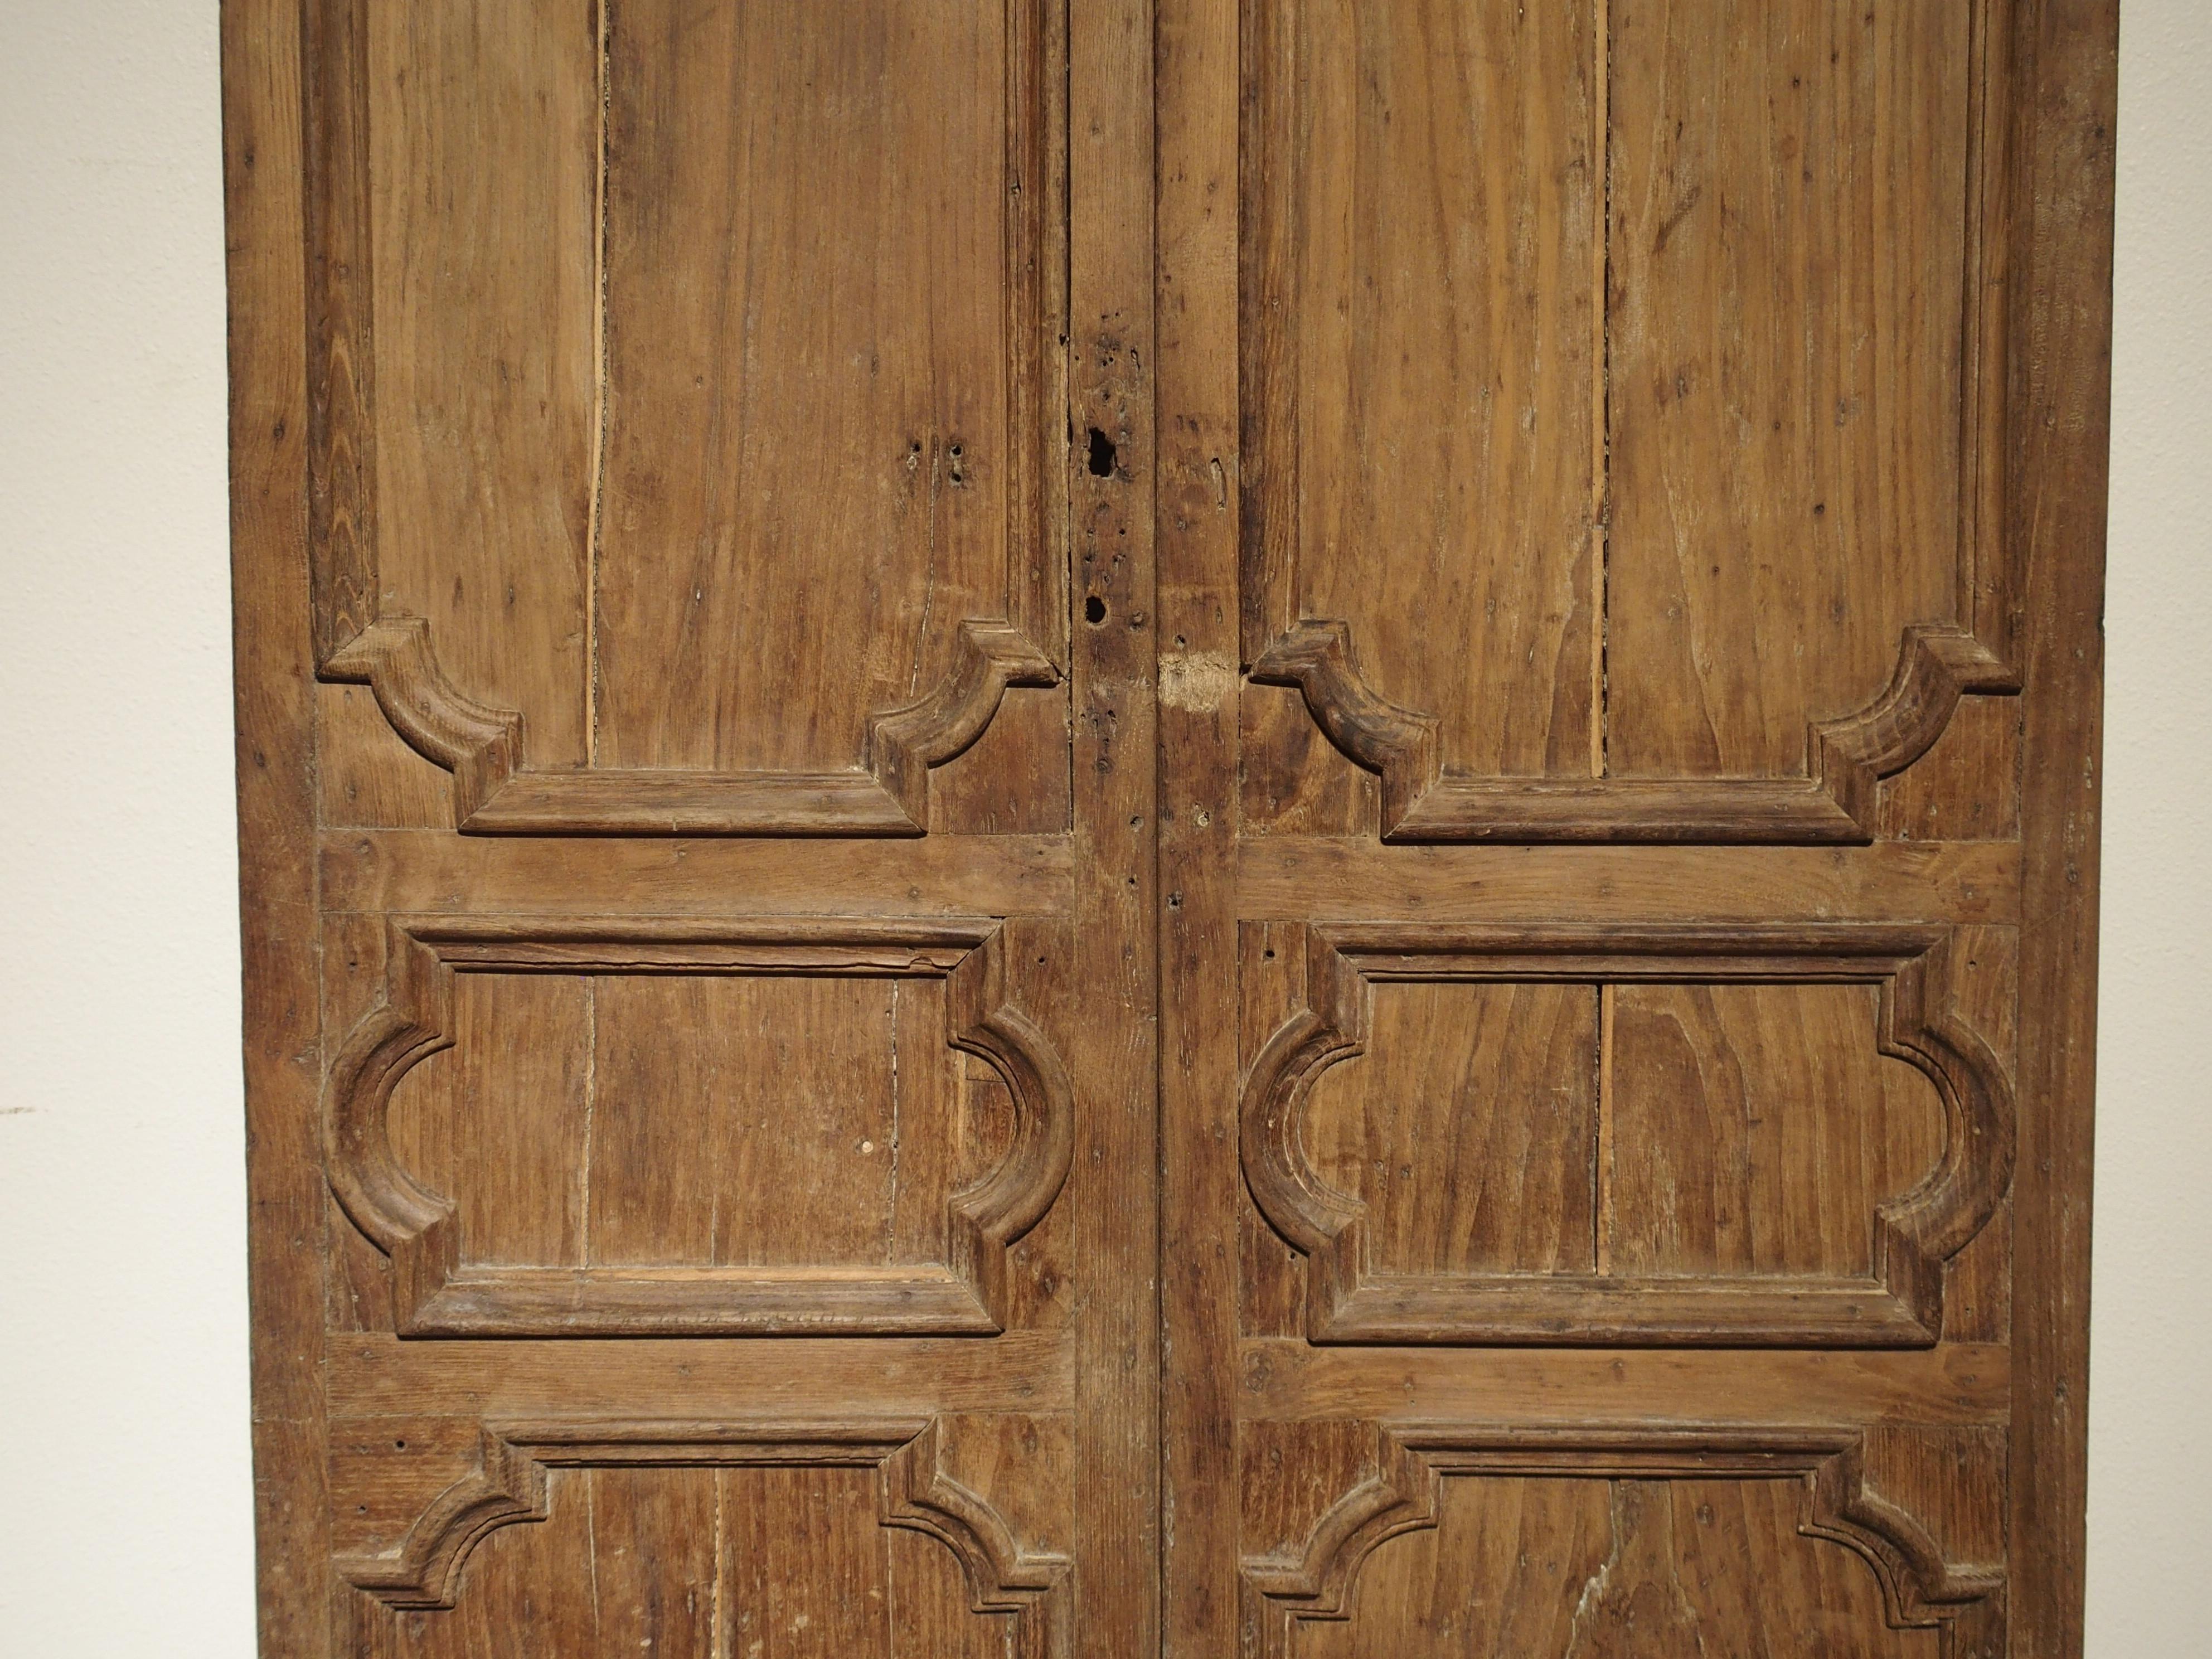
1169, 827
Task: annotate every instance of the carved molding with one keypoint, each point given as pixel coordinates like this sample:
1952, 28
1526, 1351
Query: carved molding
1920, 1587
434, 1295
1916, 1234
495, 792
509, 1487
1938, 664
358, 640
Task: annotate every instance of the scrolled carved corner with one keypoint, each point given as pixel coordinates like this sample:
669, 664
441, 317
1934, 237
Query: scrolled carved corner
1918, 1233
1001, 1208
407, 1222
903, 743
1398, 744
1937, 665
1310, 1212
480, 745
508, 1487
1399, 1496
1920, 1587
918, 1495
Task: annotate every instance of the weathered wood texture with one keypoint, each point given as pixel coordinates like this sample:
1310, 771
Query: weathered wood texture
1630, 402
1616, 441
652, 451
1169, 828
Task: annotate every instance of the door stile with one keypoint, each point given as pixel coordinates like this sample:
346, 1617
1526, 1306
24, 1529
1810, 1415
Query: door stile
1198, 679
2067, 54
1111, 1021
274, 669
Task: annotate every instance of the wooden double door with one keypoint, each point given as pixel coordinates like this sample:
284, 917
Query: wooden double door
1118, 828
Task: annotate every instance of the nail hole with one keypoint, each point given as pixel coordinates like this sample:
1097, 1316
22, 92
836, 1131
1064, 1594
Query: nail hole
1094, 611
1101, 454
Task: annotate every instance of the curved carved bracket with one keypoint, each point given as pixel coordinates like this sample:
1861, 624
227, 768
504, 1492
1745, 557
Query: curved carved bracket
917, 1494
1916, 1234
480, 745
1003, 1206
434, 1295
905, 742
1398, 744
1938, 664
1920, 1587
508, 1487
1936, 667
495, 792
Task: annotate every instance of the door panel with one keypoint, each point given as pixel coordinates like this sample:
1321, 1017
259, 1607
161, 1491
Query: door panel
1492, 1058
1599, 432
693, 416
1610, 413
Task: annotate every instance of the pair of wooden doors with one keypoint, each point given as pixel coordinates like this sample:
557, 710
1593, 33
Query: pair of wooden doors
1128, 827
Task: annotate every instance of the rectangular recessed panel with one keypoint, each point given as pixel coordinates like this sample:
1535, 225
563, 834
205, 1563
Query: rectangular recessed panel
690, 1121
1469, 1128
1755, 1129
1787, 246
807, 439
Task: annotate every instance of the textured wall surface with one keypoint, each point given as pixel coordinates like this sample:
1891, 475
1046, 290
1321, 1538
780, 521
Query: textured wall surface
125, 1525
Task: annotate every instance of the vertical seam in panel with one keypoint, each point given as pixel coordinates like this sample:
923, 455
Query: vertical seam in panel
1601, 1179
596, 525
1601, 390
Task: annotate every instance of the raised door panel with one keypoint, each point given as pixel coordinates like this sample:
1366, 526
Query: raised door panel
1619, 401
688, 440
1755, 1136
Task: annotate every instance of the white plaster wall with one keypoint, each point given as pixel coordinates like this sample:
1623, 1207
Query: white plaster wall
124, 1494
2150, 1386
